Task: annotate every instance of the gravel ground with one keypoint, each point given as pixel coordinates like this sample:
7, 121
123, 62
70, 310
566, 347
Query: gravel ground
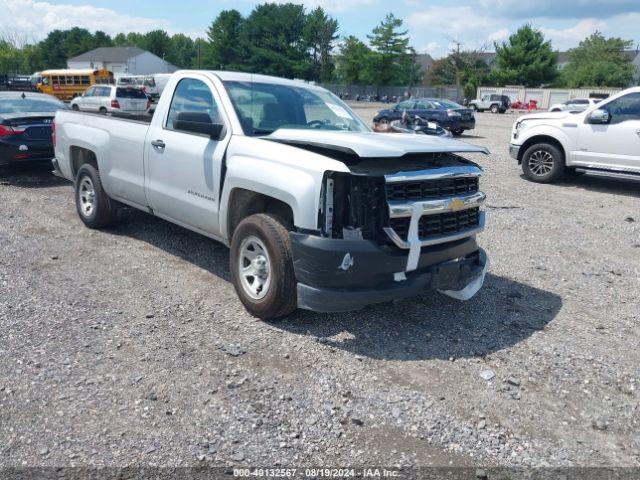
129, 346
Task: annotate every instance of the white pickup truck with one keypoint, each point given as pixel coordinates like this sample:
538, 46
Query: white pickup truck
603, 140
318, 211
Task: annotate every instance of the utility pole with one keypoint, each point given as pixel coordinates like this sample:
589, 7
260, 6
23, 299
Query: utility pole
458, 81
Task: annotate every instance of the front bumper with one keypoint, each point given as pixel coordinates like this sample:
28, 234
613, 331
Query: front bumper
514, 151
340, 275
459, 124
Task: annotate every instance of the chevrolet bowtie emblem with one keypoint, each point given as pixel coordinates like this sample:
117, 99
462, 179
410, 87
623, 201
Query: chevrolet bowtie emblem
456, 204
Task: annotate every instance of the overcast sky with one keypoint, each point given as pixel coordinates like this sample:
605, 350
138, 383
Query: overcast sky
432, 24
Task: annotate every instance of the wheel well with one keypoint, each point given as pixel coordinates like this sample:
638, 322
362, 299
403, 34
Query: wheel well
79, 156
244, 203
540, 139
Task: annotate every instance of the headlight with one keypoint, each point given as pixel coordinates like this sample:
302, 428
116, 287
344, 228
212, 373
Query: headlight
453, 113
519, 126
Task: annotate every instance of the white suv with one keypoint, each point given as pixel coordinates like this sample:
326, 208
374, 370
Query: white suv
112, 99
602, 140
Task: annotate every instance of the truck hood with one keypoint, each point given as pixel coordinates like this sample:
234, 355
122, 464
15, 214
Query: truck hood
548, 116
372, 145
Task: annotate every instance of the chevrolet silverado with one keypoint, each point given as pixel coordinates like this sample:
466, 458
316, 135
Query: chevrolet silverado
318, 211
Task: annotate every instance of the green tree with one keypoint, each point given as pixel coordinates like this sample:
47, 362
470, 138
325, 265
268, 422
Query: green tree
319, 34
157, 42
526, 59
390, 62
467, 66
599, 62
182, 51
223, 50
352, 61
272, 37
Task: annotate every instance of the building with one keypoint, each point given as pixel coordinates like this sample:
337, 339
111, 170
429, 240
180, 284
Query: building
120, 60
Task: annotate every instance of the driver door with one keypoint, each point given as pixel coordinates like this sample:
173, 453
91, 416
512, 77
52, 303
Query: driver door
614, 145
183, 168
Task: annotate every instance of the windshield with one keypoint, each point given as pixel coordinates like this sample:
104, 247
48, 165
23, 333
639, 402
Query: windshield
266, 107
30, 105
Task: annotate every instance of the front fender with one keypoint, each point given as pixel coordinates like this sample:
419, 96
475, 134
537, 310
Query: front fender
297, 188
556, 132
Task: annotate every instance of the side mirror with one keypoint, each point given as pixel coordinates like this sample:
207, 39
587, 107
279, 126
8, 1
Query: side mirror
198, 122
599, 116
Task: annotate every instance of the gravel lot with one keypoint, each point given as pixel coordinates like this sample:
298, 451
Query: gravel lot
129, 346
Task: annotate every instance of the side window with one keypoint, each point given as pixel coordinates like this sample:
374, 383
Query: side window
91, 91
425, 105
624, 108
192, 96
406, 105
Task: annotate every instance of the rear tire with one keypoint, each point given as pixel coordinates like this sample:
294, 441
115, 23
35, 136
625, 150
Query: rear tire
543, 163
494, 109
95, 208
456, 133
261, 265
102, 111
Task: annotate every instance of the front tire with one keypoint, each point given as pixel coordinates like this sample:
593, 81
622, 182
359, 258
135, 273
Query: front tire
261, 265
75, 107
456, 132
543, 163
95, 208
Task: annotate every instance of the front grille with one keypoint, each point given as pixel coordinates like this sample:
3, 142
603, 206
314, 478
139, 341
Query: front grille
435, 188
443, 224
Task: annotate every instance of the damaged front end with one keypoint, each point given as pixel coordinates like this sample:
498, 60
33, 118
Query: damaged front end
393, 228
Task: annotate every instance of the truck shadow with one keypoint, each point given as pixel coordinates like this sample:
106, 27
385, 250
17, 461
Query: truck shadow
433, 326
504, 313
615, 186
30, 175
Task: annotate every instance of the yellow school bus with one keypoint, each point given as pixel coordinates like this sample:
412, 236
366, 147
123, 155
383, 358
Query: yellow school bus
68, 84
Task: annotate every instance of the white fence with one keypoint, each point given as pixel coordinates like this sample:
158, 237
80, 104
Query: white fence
546, 96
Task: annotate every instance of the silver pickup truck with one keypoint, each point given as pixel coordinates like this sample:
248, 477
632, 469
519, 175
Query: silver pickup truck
318, 211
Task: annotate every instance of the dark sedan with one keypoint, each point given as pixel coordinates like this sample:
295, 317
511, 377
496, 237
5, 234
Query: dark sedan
446, 113
25, 126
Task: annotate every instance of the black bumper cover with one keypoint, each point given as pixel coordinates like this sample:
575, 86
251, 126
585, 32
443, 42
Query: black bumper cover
326, 285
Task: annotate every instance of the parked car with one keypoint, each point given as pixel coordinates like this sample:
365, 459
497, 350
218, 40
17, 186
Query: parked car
319, 212
447, 114
574, 105
16, 83
112, 99
25, 126
602, 140
491, 101
152, 85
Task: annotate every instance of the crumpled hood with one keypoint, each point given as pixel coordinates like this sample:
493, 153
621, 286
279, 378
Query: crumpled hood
372, 145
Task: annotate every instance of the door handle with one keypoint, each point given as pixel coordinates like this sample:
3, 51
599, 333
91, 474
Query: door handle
158, 144
638, 131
